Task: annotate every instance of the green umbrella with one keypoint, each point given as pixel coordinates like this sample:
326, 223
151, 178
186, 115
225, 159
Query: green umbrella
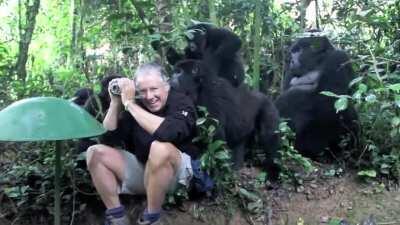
47, 119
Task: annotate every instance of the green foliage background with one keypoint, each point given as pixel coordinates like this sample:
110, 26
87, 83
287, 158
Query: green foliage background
76, 42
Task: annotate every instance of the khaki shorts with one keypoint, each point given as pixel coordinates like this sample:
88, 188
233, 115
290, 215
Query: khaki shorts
133, 182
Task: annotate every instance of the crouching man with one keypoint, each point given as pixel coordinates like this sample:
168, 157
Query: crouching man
161, 126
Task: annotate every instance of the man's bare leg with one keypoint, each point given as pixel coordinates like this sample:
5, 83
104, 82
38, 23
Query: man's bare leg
106, 166
161, 168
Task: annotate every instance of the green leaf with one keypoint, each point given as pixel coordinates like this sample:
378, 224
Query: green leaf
394, 87
215, 145
222, 155
397, 100
334, 221
330, 94
341, 104
16, 192
248, 195
367, 173
393, 133
200, 121
262, 177
362, 88
255, 206
211, 130
370, 98
395, 121
357, 80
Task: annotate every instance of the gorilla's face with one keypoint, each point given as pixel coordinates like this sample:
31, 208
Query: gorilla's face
187, 77
196, 39
307, 56
307, 53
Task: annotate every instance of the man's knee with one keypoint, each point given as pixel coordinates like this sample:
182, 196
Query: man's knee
161, 153
95, 155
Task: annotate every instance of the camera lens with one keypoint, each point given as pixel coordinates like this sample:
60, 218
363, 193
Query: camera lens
114, 88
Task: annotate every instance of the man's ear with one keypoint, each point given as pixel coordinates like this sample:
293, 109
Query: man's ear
167, 86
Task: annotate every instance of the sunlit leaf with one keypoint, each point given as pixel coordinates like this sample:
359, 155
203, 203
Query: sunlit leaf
335, 221
200, 121
397, 100
367, 173
394, 87
355, 81
330, 94
370, 98
395, 121
341, 104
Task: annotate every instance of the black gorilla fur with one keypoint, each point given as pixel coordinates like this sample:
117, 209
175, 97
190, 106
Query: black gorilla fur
242, 114
81, 96
223, 44
316, 66
97, 105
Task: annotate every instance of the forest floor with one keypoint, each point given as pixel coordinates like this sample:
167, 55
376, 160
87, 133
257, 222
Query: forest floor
326, 197
322, 199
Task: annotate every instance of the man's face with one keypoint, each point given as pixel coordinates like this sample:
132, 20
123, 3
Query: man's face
152, 90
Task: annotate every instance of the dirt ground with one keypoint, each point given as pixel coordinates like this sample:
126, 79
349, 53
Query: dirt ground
319, 200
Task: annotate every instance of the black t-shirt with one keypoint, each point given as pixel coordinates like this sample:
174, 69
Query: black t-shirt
178, 128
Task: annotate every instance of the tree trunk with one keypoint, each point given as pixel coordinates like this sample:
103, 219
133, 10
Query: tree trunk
212, 12
317, 15
26, 32
74, 19
257, 45
164, 24
303, 8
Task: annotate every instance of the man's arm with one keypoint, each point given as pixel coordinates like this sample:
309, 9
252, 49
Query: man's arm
110, 121
176, 126
180, 122
148, 121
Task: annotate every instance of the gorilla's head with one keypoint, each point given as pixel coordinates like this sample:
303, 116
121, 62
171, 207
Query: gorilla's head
196, 36
81, 96
307, 53
189, 76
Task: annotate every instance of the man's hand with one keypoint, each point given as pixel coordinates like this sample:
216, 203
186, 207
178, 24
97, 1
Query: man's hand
127, 87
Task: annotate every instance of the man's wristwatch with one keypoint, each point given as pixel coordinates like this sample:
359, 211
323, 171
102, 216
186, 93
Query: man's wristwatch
126, 105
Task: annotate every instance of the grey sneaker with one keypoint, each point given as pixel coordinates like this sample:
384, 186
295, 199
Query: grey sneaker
160, 221
110, 220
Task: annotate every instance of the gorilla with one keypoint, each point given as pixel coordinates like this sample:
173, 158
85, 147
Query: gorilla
81, 96
242, 114
96, 105
223, 44
315, 66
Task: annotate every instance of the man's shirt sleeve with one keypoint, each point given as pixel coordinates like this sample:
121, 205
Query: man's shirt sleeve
180, 121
